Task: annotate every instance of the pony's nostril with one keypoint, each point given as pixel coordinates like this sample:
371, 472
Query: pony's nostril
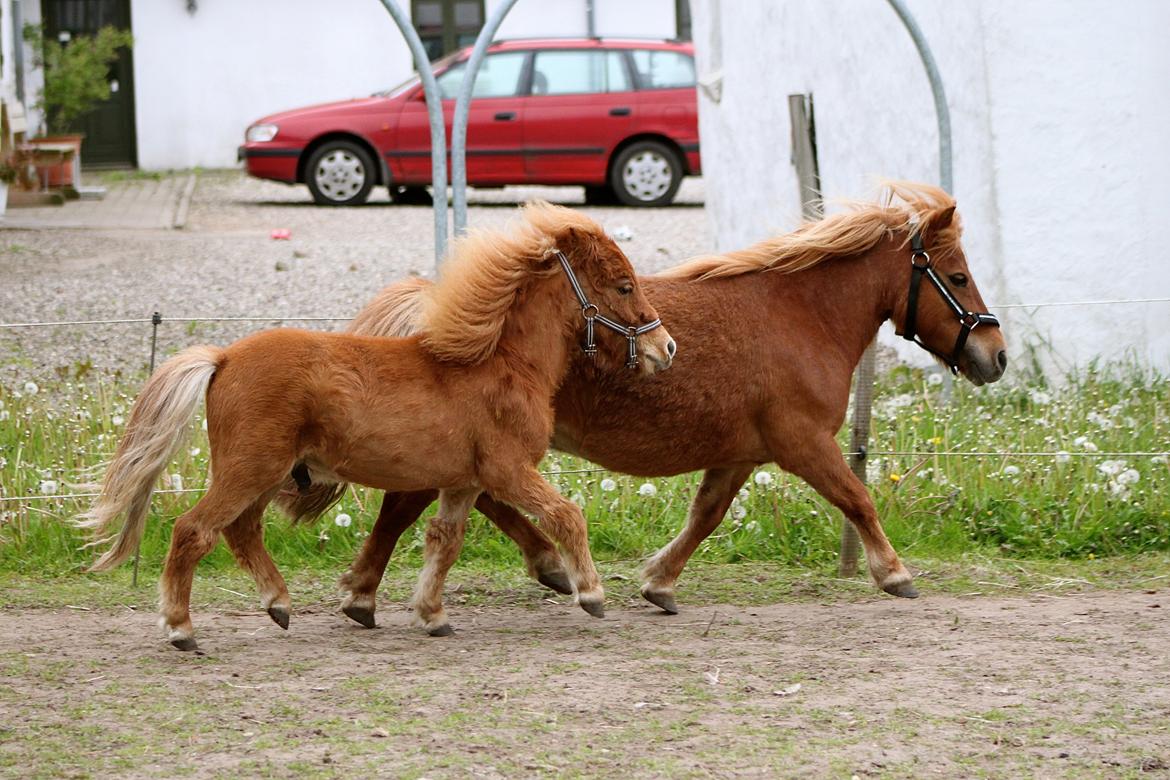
1001, 359
671, 348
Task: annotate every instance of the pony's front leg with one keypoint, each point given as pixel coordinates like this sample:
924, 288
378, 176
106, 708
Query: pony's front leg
707, 511
821, 465
399, 512
443, 543
563, 521
540, 555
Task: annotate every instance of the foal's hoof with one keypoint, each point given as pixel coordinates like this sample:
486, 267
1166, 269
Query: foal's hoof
184, 643
904, 589
663, 599
594, 608
556, 580
443, 630
363, 615
279, 615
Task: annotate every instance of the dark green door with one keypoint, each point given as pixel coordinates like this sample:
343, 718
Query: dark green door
109, 128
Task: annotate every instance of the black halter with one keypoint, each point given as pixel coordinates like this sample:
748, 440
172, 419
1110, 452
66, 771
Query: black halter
591, 313
968, 320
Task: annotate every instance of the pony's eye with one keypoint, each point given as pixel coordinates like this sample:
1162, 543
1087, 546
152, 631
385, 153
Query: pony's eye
625, 289
959, 280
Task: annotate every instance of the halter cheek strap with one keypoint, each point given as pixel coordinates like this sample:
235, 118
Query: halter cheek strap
592, 314
920, 267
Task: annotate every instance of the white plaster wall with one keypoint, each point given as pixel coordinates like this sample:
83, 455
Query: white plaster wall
1061, 169
202, 78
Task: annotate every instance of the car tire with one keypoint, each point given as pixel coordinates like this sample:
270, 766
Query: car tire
646, 173
410, 196
340, 173
599, 195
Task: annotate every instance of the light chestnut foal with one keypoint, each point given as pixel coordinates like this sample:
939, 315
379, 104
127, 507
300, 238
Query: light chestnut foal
462, 408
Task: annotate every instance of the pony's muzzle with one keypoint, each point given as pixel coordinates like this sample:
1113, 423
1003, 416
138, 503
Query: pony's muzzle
659, 349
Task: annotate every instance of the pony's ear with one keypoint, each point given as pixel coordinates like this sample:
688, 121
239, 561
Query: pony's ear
944, 219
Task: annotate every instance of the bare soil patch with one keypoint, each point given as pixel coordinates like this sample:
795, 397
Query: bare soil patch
950, 686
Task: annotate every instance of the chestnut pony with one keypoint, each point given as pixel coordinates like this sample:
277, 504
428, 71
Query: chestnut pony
735, 400
463, 407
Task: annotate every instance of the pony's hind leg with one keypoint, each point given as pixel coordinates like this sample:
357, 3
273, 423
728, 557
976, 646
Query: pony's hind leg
563, 521
443, 543
540, 554
245, 537
195, 534
820, 465
399, 512
707, 511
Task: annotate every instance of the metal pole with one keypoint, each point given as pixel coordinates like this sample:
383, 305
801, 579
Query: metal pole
438, 134
943, 114
155, 321
463, 110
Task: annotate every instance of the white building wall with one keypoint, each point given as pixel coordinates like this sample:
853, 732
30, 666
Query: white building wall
202, 78
1061, 169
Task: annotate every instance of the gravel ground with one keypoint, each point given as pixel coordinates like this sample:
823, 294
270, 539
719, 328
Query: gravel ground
225, 264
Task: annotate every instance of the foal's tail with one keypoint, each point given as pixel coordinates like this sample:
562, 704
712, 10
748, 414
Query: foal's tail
396, 311
159, 424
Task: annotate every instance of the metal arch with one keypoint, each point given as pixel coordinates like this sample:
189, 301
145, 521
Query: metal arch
946, 178
438, 134
463, 110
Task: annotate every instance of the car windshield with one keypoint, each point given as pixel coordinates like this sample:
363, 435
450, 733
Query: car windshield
438, 66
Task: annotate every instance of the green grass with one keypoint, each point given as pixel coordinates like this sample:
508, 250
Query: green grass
933, 507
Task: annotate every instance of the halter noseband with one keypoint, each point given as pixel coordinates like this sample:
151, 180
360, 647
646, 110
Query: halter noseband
591, 314
968, 320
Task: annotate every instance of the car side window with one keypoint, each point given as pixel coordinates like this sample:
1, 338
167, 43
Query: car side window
499, 76
575, 72
663, 69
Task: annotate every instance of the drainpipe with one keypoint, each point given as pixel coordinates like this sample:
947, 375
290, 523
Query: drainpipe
590, 20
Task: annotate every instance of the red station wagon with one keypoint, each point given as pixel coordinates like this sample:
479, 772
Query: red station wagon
617, 116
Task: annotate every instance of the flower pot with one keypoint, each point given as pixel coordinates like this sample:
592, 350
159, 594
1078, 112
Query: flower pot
63, 173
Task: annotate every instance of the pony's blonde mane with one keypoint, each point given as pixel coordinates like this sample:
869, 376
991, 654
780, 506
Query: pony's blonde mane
465, 310
905, 205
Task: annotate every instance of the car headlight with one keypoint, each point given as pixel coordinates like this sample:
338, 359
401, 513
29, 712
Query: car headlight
260, 133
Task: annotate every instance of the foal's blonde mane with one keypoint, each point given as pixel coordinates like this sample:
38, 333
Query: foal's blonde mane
465, 310
904, 205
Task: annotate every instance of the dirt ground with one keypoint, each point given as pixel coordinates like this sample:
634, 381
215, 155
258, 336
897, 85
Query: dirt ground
1052, 686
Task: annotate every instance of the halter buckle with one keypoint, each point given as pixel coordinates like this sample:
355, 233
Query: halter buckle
925, 260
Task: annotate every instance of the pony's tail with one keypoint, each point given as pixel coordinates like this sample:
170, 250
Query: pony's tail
159, 424
396, 311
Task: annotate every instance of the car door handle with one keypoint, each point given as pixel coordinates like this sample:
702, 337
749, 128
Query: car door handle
505, 116
620, 111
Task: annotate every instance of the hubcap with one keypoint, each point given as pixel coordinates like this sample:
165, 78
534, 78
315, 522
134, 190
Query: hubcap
647, 176
340, 175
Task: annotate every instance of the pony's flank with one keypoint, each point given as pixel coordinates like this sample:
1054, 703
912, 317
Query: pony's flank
904, 207
465, 310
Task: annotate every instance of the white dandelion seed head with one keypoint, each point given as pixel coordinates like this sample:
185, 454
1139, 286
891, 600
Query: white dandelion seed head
1063, 457
48, 487
195, 452
608, 485
763, 478
1128, 477
934, 380
647, 490
117, 419
4, 415
738, 512
176, 481
578, 498
1159, 459
31, 388
342, 520
1011, 471
1040, 397
1111, 468
743, 494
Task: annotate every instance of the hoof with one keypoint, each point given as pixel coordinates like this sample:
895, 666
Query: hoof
556, 580
594, 608
279, 615
443, 630
362, 615
185, 643
903, 590
663, 599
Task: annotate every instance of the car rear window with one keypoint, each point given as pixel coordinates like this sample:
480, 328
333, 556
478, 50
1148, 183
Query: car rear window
499, 76
663, 69
573, 72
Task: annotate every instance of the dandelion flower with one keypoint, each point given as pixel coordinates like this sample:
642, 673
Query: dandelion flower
895, 477
31, 388
48, 487
342, 520
737, 511
176, 481
743, 494
763, 478
1128, 477
1111, 468
578, 498
934, 379
195, 452
646, 490
608, 484
1011, 471
1063, 457
117, 420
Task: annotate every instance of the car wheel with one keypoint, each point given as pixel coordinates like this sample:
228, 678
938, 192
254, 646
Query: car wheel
340, 173
646, 173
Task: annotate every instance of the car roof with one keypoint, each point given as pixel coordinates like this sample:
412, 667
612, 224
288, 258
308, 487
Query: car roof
590, 43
